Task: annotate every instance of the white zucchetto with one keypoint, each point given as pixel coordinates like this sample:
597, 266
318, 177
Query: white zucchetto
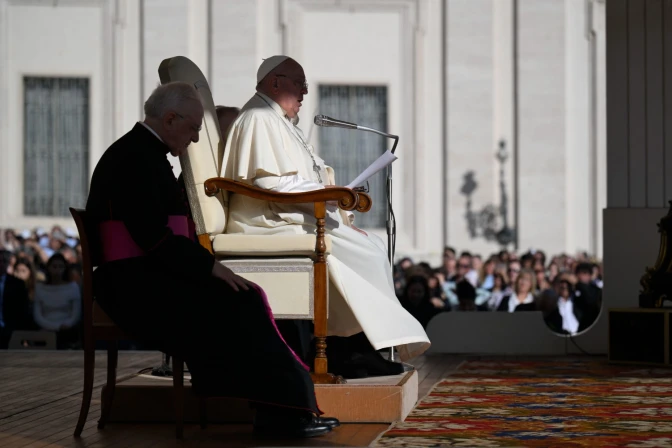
268, 65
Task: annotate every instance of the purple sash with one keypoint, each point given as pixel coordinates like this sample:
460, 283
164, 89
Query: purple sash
117, 243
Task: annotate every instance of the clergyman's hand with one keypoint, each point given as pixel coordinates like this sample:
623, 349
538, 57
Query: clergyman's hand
226, 274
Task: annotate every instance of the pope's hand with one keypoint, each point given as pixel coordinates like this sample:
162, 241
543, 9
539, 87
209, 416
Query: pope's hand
226, 274
332, 186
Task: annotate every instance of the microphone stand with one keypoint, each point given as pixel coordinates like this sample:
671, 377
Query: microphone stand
164, 369
390, 222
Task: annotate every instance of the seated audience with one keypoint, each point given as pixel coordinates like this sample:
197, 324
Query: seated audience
500, 289
466, 296
417, 300
553, 271
24, 270
13, 302
574, 311
58, 303
587, 294
486, 277
564, 317
438, 296
568, 288
540, 277
521, 299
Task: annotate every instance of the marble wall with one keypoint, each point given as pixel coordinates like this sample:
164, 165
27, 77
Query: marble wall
462, 75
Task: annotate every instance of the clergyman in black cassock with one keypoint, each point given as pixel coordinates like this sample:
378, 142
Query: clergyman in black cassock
172, 296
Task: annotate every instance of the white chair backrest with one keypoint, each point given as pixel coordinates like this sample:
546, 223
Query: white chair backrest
201, 161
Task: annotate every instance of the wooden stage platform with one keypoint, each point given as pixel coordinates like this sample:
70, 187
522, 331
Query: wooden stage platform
40, 396
150, 399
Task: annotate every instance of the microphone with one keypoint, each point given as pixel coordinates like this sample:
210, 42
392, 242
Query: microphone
323, 120
328, 122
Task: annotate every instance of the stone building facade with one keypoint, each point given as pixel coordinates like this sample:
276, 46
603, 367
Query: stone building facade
455, 79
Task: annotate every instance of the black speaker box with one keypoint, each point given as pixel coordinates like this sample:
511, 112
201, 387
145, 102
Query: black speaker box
639, 336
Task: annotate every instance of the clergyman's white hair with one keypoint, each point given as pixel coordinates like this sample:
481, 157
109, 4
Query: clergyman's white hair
170, 96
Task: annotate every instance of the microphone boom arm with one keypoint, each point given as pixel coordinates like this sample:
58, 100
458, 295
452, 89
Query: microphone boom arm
384, 134
323, 120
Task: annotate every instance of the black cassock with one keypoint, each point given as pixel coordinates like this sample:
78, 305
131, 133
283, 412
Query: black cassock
170, 298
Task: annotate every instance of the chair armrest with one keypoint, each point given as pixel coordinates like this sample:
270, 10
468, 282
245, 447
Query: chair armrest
346, 198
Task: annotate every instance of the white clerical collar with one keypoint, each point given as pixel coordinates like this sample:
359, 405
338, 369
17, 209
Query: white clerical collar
151, 130
276, 107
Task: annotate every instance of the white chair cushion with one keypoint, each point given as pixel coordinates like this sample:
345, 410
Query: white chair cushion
266, 245
288, 283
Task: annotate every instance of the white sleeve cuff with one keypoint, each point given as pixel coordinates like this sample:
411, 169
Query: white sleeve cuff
287, 184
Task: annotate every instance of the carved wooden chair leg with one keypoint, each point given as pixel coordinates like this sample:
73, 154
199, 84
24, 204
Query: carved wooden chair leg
89, 364
321, 375
108, 397
178, 385
203, 412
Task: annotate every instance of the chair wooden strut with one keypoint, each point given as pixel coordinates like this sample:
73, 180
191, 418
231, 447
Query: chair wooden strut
99, 327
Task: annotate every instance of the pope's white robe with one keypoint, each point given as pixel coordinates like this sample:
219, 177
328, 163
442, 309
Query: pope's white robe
264, 148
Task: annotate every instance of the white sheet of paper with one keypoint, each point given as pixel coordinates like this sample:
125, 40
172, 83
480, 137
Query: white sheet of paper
380, 163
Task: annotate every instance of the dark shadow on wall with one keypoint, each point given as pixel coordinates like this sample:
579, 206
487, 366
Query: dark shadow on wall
491, 221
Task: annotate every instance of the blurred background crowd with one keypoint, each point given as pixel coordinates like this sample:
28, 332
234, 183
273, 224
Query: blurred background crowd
566, 289
41, 286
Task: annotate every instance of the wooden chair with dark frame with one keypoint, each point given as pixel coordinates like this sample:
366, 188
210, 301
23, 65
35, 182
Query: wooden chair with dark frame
99, 327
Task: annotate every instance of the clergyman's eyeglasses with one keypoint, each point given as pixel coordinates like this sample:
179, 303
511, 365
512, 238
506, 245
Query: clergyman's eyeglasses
197, 129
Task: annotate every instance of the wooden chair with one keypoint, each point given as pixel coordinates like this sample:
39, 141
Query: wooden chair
347, 199
272, 261
99, 327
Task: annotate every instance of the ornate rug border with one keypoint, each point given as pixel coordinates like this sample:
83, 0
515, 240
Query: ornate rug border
431, 389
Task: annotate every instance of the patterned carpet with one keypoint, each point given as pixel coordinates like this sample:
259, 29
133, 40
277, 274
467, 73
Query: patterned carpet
542, 404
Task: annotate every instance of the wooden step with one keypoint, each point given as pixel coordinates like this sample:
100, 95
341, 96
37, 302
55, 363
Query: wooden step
147, 398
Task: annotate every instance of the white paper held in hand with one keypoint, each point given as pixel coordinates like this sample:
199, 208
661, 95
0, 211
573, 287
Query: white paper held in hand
381, 162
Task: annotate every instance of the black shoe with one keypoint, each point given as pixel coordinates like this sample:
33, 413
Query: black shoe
327, 421
348, 370
379, 366
294, 428
363, 365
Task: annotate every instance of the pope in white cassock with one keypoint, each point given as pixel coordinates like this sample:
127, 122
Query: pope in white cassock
265, 148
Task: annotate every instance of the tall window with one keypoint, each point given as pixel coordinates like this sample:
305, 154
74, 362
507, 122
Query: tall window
56, 145
350, 152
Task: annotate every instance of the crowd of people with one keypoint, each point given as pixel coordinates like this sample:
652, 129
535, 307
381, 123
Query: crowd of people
566, 289
40, 285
